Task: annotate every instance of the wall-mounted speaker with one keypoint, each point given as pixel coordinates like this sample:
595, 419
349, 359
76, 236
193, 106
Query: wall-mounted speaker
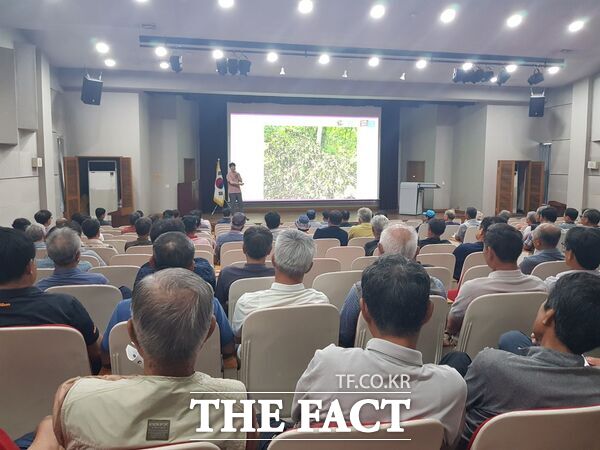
91, 91
536, 105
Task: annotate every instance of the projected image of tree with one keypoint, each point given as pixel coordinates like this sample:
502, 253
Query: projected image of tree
310, 163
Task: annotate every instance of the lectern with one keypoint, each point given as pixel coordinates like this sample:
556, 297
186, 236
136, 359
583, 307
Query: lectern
411, 197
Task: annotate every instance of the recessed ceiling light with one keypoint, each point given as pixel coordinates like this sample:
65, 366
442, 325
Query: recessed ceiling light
110, 62
493, 79
377, 11
324, 59
305, 6
161, 51
282, 71
272, 57
217, 54
345, 74
102, 47
553, 70
448, 15
515, 20
421, 64
164, 65
511, 68
403, 76
467, 66
226, 3
373, 61
576, 26
141, 1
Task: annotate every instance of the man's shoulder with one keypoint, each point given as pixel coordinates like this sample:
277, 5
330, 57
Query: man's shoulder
489, 360
316, 296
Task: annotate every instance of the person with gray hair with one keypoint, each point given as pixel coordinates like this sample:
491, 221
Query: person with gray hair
36, 233
172, 317
505, 214
545, 241
292, 259
363, 229
64, 249
449, 216
397, 239
378, 224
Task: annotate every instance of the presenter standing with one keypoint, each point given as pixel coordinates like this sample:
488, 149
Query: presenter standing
234, 182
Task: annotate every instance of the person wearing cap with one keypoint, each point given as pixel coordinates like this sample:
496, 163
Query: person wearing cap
427, 216
303, 223
234, 235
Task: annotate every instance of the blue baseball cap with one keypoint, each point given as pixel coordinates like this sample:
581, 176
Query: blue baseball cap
430, 213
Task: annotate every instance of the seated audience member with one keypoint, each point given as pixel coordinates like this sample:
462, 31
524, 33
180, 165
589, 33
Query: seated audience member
363, 229
437, 227
191, 225
226, 216
325, 215
176, 213
36, 233
590, 218
258, 242
505, 214
168, 343
78, 218
312, 215
449, 216
168, 214
64, 248
202, 267
62, 222
395, 304
154, 217
571, 215
85, 251
238, 222
545, 239
101, 216
292, 259
463, 250
582, 253
550, 375
48, 263
23, 304
132, 220
345, 219
202, 223
303, 223
427, 216
44, 218
142, 228
91, 230
545, 214
471, 221
502, 248
378, 224
21, 224
397, 239
333, 230
171, 250
531, 222
273, 221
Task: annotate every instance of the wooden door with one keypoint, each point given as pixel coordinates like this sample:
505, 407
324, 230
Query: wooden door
72, 193
415, 171
534, 189
126, 185
189, 170
505, 185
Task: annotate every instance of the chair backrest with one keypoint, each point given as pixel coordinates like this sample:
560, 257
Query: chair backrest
449, 231
446, 260
186, 446
489, 316
413, 223
204, 248
345, 255
240, 287
118, 275
35, 362
421, 434
91, 259
232, 256
291, 344
322, 245
336, 285
476, 272
129, 237
139, 250
227, 246
549, 429
43, 273
41, 253
431, 337
320, 266
442, 274
437, 248
472, 260
118, 244
106, 253
549, 269
423, 230
363, 262
208, 360
470, 235
129, 260
457, 221
360, 241
209, 256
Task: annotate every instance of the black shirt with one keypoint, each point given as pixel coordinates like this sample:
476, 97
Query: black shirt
31, 307
332, 232
230, 274
432, 240
370, 247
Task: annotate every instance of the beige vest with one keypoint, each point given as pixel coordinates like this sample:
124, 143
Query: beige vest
145, 411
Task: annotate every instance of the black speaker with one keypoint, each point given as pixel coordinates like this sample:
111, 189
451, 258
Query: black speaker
91, 91
536, 105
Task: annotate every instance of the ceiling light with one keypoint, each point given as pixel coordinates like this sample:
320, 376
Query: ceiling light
553, 70
576, 26
324, 59
494, 80
514, 21
511, 68
217, 54
272, 57
345, 74
373, 61
421, 64
102, 47
503, 77
141, 1
467, 66
282, 71
161, 51
448, 15
305, 6
110, 62
164, 65
226, 3
377, 11
403, 76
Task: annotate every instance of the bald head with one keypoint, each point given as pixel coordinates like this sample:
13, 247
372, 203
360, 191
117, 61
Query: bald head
546, 236
399, 239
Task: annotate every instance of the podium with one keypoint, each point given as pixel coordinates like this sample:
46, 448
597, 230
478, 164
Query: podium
410, 198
